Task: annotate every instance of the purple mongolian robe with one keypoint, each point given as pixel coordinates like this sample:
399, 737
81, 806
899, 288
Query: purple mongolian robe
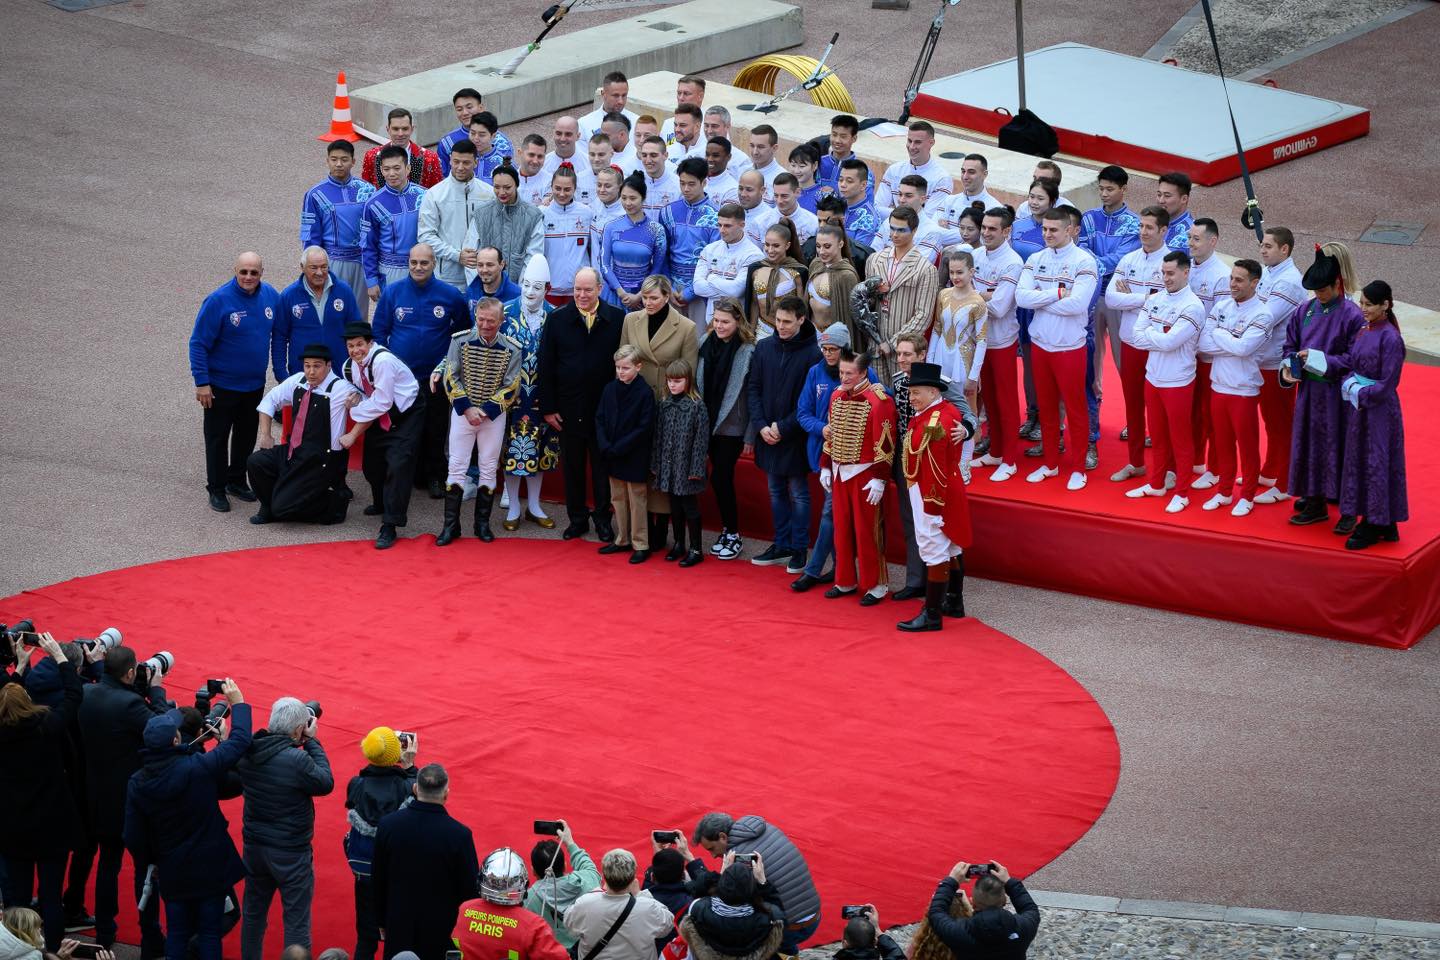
1373, 482
1317, 446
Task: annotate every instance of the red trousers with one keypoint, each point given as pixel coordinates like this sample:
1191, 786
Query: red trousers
1236, 421
1060, 377
1277, 408
1002, 406
859, 544
1132, 383
1168, 411
1200, 426
559, 299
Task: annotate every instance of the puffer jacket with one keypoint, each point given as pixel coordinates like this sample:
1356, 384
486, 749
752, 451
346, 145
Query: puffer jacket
13, 948
785, 866
373, 793
281, 781
993, 934
711, 936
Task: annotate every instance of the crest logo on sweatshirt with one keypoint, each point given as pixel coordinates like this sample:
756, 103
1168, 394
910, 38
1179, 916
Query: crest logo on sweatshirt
298, 310
236, 317
439, 312
338, 305
269, 314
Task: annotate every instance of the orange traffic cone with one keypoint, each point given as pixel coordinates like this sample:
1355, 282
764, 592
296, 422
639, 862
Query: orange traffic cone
341, 127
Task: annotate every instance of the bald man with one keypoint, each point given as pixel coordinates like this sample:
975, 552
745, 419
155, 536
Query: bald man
313, 309
759, 215
415, 319
229, 349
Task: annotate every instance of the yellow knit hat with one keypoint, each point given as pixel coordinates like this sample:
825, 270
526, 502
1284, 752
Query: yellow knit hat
381, 747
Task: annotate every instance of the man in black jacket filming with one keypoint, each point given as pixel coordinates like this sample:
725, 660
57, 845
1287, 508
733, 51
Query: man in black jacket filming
993, 933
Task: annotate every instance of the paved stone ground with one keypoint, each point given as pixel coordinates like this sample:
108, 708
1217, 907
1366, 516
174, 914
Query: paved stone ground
1256, 32
1093, 935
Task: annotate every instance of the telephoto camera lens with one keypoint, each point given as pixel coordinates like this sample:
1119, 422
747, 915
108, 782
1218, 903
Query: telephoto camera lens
108, 640
314, 707
159, 665
19, 631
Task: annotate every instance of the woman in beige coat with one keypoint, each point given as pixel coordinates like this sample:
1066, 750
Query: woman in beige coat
661, 333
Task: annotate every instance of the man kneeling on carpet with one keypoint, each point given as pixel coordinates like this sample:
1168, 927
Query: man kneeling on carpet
932, 450
482, 377
785, 865
992, 931
305, 478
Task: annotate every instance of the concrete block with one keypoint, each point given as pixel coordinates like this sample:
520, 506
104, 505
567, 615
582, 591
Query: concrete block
1174, 909
798, 120
1075, 901
1407, 928
1340, 923
567, 68
1264, 918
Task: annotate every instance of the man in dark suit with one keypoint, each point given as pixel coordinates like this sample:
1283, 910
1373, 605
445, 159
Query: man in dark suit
576, 360
113, 716
424, 867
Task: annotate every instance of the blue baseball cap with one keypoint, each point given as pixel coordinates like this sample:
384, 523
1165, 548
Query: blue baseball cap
161, 729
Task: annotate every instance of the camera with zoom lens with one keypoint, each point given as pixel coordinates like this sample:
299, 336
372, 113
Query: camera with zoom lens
20, 630
151, 671
108, 640
314, 707
207, 693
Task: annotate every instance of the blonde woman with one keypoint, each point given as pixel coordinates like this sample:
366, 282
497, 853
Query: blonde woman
957, 339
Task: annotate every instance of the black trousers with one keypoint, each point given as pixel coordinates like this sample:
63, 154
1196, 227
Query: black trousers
107, 900
577, 447
231, 423
20, 877
390, 458
82, 861
316, 499
432, 463
724, 454
367, 925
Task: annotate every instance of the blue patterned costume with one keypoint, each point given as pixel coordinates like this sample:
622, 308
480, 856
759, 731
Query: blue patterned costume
531, 447
630, 252
688, 228
330, 217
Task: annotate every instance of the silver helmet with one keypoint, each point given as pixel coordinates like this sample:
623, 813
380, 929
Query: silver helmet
504, 877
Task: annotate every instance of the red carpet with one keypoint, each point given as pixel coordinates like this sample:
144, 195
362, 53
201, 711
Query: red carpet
553, 682
1257, 569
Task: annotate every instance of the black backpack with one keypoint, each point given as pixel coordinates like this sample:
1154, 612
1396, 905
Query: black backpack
1027, 133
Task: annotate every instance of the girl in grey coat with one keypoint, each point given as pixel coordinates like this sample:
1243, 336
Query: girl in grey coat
677, 458
721, 377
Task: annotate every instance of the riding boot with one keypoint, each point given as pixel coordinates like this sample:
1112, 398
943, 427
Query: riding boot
930, 617
954, 605
658, 524
695, 555
484, 501
677, 527
450, 532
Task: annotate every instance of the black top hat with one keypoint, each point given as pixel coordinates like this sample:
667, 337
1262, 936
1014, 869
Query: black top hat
927, 375
1323, 272
358, 328
316, 351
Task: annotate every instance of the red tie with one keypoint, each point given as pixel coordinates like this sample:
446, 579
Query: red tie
369, 389
297, 429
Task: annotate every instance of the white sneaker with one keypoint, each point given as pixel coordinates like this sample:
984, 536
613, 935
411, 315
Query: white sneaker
1272, 495
1126, 472
1145, 491
1265, 481
732, 548
1216, 502
1077, 481
1169, 479
719, 543
1043, 473
986, 461
1003, 472
1205, 481
1176, 504
1242, 509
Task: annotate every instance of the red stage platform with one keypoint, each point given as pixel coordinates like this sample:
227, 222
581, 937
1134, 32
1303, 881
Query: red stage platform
1257, 569
1068, 85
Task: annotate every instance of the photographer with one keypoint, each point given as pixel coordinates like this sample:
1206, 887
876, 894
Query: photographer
36, 806
173, 820
675, 876
112, 730
555, 889
993, 931
382, 787
743, 920
283, 772
864, 941
619, 921
719, 833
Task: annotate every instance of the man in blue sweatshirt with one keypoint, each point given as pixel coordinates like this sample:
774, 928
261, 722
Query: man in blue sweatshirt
415, 318
229, 350
313, 309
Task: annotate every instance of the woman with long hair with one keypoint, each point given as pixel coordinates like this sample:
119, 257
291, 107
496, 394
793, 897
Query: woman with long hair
832, 277
779, 275
723, 372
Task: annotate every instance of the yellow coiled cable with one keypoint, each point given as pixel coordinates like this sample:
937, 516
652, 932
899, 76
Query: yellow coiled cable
760, 76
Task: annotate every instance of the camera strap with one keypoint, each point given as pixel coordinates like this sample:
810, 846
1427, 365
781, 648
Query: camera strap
614, 929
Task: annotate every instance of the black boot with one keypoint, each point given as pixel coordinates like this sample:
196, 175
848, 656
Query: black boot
450, 532
1312, 511
1365, 535
658, 524
954, 605
484, 501
695, 555
929, 618
677, 525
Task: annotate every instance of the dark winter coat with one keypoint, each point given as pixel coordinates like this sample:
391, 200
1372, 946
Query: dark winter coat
373, 794
681, 446
281, 782
785, 867
991, 934
574, 364
425, 867
676, 896
112, 728
624, 426
758, 934
36, 805
777, 375
173, 818
885, 949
